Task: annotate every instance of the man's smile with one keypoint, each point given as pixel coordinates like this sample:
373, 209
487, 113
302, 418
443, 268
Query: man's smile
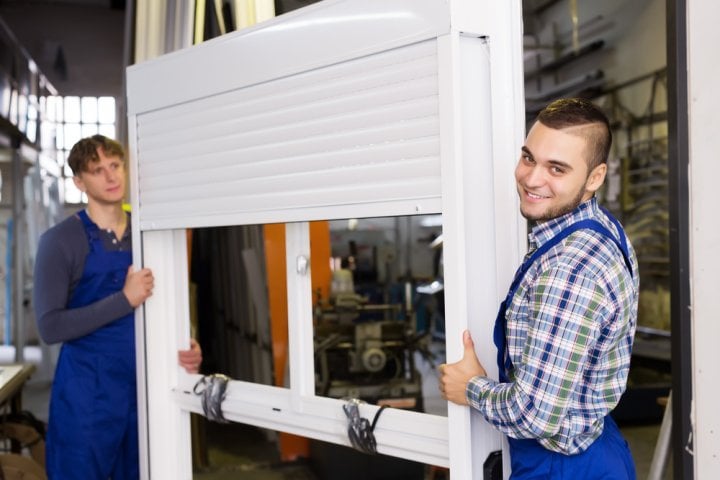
535, 196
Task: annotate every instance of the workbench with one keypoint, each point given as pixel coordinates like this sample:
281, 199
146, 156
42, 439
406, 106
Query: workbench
12, 380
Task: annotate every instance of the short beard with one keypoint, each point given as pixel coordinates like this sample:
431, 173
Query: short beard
556, 211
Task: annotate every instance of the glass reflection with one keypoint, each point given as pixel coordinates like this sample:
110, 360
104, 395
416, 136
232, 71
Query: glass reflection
379, 324
231, 295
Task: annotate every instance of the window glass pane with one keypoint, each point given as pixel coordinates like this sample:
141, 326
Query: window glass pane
378, 320
22, 113
47, 136
89, 129
61, 157
233, 298
51, 108
60, 138
106, 109
72, 135
32, 110
67, 171
89, 110
31, 130
60, 109
72, 194
72, 109
107, 130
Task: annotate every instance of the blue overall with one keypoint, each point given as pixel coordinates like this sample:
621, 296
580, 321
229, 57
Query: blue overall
93, 432
608, 457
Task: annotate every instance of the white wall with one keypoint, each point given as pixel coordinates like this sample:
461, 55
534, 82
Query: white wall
634, 35
91, 38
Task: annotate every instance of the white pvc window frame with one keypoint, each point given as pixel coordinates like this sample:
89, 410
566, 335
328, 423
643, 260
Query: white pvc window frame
481, 128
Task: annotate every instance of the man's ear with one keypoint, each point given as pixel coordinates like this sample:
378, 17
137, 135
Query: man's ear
79, 183
596, 178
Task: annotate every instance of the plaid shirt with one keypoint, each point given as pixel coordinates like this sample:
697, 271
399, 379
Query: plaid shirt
570, 329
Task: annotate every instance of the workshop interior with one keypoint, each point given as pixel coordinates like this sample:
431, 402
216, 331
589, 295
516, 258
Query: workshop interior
377, 296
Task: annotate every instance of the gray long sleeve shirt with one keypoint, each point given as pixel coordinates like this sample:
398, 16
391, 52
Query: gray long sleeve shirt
59, 267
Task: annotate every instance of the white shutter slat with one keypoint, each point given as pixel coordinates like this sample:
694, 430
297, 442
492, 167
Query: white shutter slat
262, 162
281, 207
282, 95
362, 132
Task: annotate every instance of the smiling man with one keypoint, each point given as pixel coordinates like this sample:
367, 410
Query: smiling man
85, 293
565, 330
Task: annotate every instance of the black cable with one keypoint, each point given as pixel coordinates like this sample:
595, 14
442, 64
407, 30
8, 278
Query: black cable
360, 430
213, 394
377, 415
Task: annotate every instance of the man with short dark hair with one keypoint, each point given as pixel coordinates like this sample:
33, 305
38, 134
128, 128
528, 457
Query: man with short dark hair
85, 293
565, 330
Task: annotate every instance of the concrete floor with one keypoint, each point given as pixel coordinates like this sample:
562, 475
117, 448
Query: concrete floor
250, 460
246, 453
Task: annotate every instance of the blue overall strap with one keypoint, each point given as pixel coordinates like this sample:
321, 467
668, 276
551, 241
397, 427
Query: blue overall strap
582, 224
91, 230
623, 241
87, 223
499, 336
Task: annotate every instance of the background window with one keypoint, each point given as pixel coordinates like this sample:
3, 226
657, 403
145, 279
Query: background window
76, 118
